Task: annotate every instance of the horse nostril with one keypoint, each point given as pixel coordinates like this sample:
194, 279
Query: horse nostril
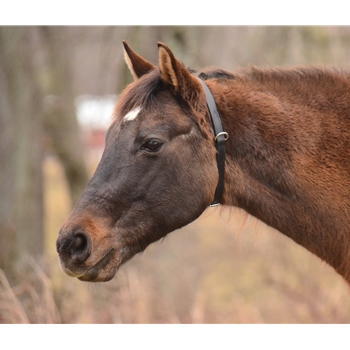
78, 244
80, 247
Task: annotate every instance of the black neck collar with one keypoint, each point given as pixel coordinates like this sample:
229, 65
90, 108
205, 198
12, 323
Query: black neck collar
220, 137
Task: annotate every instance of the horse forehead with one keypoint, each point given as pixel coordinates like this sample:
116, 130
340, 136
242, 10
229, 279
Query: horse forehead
132, 114
136, 112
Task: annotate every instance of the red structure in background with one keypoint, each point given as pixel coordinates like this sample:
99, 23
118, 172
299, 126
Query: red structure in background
93, 141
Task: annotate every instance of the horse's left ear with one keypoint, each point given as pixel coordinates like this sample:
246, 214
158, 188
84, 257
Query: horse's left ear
137, 64
176, 75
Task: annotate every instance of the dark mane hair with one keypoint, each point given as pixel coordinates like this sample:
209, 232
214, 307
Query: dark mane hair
213, 73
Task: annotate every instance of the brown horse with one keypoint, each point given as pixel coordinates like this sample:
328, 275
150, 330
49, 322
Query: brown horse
287, 161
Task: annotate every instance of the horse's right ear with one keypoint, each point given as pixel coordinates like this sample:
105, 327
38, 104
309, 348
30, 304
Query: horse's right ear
137, 64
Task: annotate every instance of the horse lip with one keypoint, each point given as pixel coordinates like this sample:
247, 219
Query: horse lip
70, 273
92, 273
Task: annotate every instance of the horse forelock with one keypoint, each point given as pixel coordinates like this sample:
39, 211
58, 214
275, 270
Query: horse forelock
143, 94
140, 94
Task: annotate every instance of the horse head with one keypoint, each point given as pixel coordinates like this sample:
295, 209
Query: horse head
157, 174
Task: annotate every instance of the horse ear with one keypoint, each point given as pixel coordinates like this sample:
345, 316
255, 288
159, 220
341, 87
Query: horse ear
175, 74
137, 64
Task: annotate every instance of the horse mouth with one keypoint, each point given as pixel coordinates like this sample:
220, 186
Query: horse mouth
100, 271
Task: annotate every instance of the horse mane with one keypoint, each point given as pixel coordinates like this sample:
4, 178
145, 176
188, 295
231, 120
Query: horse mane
295, 77
214, 73
273, 74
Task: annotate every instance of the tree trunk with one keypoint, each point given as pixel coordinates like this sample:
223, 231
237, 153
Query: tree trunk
21, 190
60, 115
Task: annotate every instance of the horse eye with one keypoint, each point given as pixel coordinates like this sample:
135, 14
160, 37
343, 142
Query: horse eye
153, 145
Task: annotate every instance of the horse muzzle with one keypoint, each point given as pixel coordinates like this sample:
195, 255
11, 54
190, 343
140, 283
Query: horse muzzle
77, 258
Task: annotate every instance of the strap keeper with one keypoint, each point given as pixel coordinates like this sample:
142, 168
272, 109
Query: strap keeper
222, 133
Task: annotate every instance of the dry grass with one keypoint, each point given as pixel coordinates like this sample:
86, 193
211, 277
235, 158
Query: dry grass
212, 271
31, 301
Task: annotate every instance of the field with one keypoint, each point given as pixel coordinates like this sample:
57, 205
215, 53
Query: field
226, 267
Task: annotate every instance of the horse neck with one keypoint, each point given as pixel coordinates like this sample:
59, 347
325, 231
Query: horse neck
278, 171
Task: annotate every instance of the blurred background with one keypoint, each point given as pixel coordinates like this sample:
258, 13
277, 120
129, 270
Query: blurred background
58, 86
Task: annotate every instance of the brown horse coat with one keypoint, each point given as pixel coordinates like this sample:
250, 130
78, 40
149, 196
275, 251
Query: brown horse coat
287, 162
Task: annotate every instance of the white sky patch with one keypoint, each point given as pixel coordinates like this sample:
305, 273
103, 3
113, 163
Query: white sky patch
132, 114
95, 111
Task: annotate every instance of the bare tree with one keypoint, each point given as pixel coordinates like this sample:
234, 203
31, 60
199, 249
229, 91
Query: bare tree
21, 148
36, 99
60, 115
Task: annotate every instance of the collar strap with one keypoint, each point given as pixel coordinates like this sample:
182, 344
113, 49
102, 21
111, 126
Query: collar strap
220, 137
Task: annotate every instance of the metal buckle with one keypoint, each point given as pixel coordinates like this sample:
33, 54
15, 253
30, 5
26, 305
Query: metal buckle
222, 133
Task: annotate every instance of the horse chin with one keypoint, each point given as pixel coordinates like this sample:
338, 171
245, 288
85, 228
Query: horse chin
106, 268
103, 271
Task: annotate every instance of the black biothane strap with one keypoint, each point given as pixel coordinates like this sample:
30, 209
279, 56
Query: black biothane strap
220, 137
